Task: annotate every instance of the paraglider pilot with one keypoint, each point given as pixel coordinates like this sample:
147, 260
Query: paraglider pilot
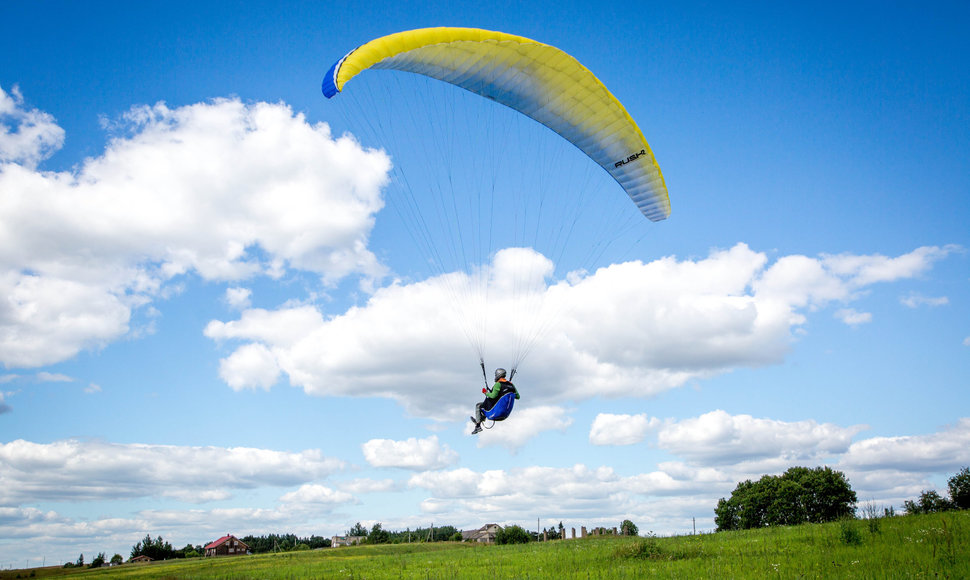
501, 387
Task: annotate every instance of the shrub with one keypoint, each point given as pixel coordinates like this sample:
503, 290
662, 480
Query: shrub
849, 533
512, 535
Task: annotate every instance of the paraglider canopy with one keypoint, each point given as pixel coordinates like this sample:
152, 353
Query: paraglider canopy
533, 78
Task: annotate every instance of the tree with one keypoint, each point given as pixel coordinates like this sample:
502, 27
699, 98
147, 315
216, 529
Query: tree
117, 559
628, 528
512, 535
445, 533
929, 502
357, 530
378, 535
157, 549
959, 486
98, 561
800, 495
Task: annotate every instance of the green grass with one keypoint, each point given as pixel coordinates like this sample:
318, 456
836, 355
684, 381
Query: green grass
923, 546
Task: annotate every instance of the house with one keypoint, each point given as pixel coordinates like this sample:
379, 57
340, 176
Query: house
485, 534
227, 545
337, 541
140, 559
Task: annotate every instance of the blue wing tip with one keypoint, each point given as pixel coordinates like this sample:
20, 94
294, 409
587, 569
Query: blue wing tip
330, 81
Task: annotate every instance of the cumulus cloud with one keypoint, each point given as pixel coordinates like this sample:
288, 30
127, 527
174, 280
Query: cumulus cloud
943, 451
250, 366
367, 485
565, 493
529, 422
223, 189
718, 438
627, 330
80, 470
27, 136
415, 454
609, 429
315, 494
238, 298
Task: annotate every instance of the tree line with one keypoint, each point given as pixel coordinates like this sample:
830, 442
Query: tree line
378, 535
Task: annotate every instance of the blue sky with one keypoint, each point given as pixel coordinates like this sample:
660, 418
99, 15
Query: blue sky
215, 319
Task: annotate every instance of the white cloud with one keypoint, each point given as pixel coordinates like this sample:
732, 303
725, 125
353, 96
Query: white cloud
412, 453
81, 470
366, 485
628, 330
609, 429
250, 366
942, 451
525, 423
316, 495
196, 496
27, 136
915, 300
92, 388
572, 493
238, 298
852, 317
46, 377
222, 189
718, 438
966, 341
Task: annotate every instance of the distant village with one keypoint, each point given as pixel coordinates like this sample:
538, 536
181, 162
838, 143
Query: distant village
154, 549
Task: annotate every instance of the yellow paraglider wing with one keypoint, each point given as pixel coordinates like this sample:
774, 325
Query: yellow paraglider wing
533, 78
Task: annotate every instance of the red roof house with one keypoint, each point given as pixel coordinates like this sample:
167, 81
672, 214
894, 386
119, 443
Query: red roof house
227, 545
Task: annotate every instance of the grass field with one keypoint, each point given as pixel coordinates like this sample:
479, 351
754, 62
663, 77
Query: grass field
921, 546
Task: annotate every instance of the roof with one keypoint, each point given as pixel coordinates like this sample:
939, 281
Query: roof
224, 539
482, 532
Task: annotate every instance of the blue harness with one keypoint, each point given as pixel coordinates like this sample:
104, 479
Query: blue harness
502, 408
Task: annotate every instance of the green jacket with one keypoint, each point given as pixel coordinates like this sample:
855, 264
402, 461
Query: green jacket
497, 388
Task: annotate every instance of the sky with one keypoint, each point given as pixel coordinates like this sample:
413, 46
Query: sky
217, 315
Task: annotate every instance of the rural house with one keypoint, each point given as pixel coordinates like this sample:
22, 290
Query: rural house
485, 534
337, 541
227, 545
